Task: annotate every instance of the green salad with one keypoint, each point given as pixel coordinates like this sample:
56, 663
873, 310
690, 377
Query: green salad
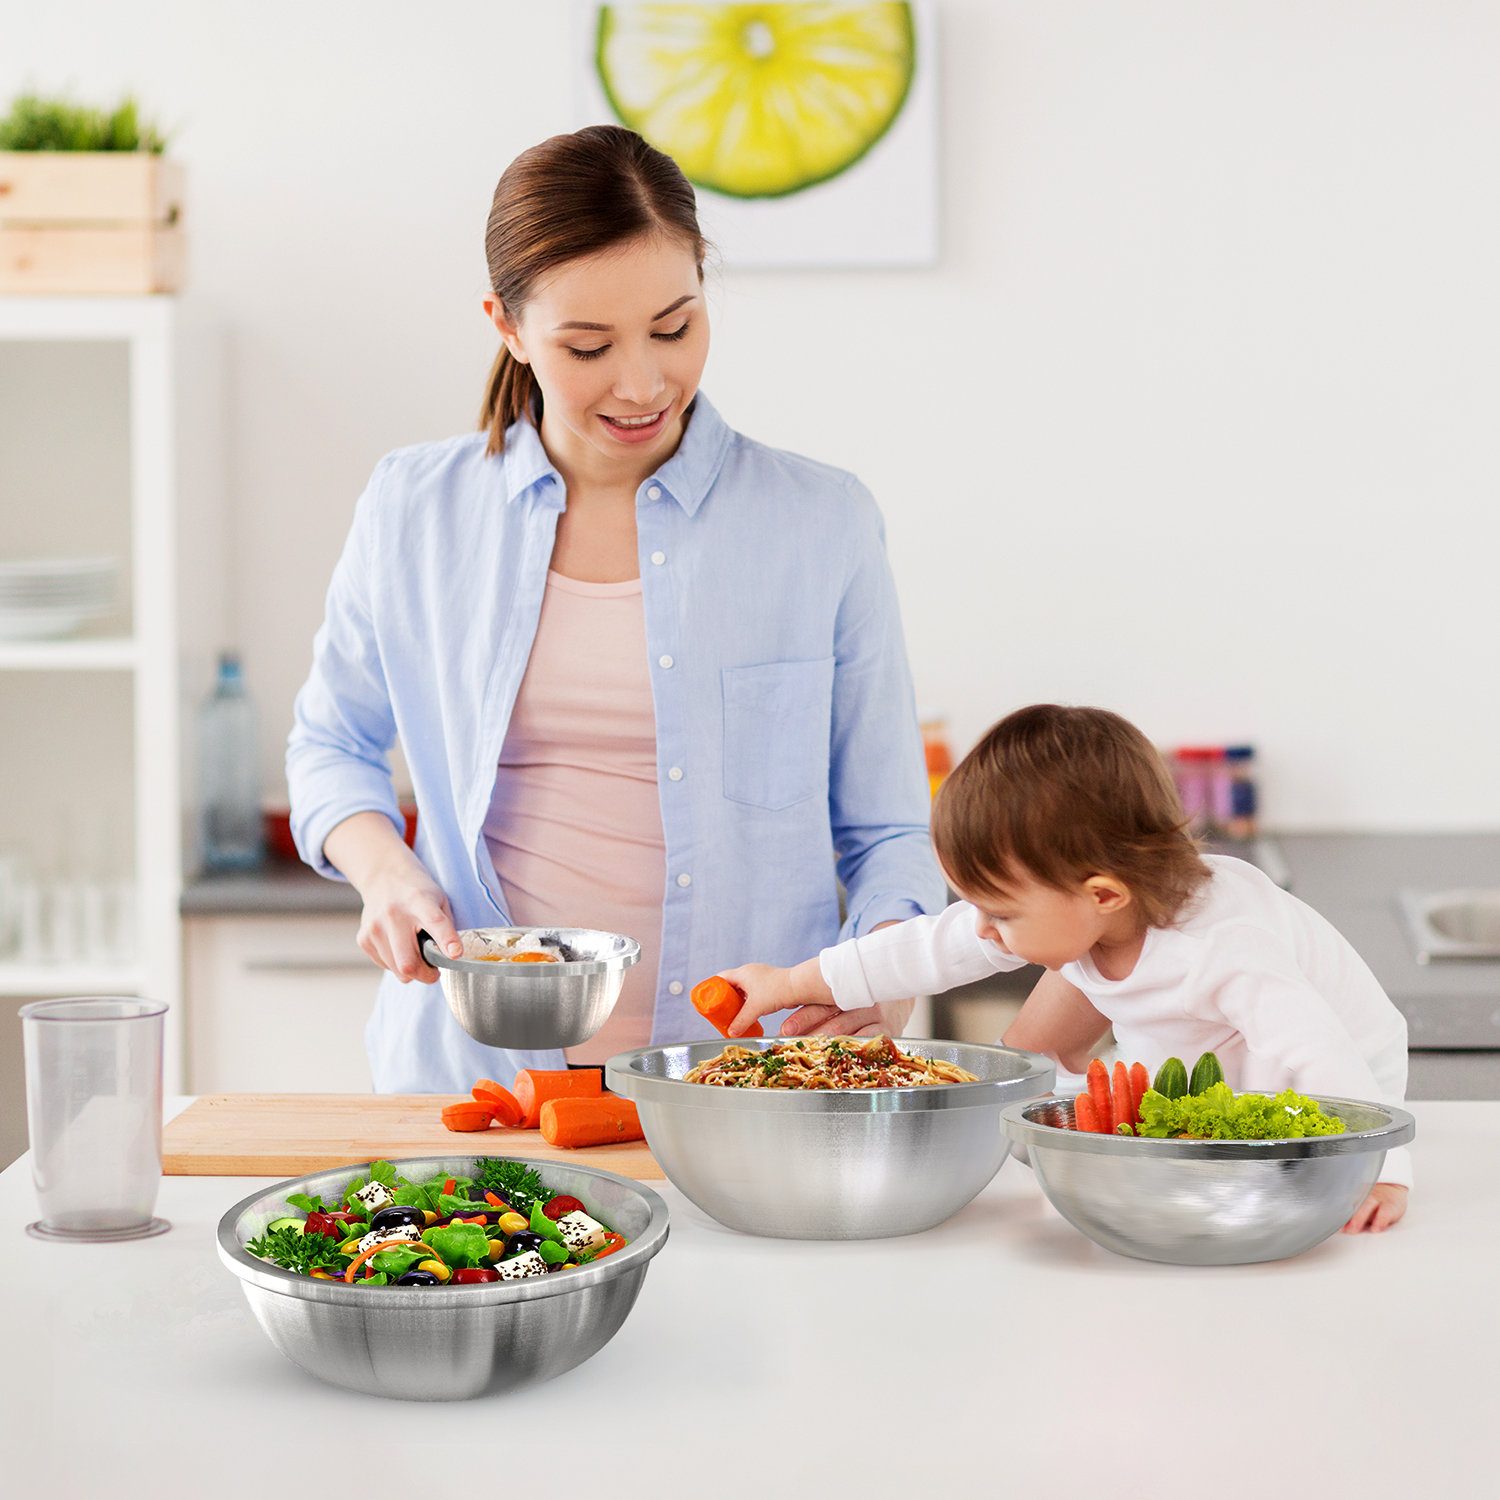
1219, 1114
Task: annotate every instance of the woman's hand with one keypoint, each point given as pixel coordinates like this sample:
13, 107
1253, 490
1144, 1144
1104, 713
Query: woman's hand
400, 897
1383, 1208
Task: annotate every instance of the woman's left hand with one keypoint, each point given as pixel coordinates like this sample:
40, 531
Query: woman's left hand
888, 1019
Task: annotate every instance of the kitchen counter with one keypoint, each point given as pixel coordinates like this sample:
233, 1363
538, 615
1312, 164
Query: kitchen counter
278, 888
753, 1367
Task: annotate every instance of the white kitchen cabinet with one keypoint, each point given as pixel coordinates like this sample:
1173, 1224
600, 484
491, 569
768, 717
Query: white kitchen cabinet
94, 423
277, 1005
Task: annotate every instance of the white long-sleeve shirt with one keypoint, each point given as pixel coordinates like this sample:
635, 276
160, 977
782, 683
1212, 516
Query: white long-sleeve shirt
1248, 972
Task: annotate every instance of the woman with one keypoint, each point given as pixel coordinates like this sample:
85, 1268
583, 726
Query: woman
647, 674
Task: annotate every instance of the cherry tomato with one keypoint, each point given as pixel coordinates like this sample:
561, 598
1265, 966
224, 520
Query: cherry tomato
471, 1274
562, 1204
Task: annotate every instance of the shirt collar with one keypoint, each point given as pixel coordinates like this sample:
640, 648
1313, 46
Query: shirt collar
687, 476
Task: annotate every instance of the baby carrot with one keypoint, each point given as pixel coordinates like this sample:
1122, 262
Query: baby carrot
1085, 1116
590, 1122
1098, 1082
1140, 1081
718, 1002
1123, 1114
535, 1086
468, 1116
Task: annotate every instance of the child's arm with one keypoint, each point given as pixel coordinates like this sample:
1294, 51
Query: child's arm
1058, 1021
1384, 1207
767, 989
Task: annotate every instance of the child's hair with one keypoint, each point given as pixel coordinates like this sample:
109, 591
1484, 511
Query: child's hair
569, 197
1061, 794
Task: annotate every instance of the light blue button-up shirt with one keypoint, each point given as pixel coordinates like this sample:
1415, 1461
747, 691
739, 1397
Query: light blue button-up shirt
781, 691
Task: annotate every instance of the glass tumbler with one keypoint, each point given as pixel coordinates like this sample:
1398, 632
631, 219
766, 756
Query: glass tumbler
93, 1108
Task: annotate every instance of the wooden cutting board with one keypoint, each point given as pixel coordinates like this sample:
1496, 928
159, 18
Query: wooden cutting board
289, 1135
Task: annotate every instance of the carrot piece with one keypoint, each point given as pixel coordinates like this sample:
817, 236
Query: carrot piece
718, 1002
504, 1104
1085, 1116
590, 1122
365, 1255
535, 1086
612, 1242
1123, 1114
1140, 1081
1098, 1082
495, 1202
468, 1116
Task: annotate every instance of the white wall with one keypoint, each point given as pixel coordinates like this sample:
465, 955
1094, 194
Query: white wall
1194, 419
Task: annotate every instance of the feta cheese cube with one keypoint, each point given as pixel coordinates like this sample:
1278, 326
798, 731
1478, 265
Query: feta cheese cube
579, 1232
374, 1195
400, 1232
527, 1263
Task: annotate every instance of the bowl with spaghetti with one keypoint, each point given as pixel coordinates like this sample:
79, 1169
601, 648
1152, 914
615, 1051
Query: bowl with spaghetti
828, 1138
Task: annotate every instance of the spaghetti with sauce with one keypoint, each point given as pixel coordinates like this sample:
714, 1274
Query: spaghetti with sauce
825, 1062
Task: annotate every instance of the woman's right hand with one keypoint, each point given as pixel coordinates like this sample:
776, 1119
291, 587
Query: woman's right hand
400, 897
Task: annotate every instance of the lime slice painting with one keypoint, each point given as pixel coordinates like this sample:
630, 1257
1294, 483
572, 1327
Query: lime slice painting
758, 101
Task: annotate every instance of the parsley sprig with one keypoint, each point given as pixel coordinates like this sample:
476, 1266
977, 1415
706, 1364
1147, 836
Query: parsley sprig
296, 1251
518, 1184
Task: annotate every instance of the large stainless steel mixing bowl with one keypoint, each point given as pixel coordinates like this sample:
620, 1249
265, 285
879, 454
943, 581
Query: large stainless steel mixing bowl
1208, 1203
448, 1343
532, 1006
828, 1164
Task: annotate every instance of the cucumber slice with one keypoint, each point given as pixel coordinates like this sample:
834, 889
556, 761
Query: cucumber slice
285, 1222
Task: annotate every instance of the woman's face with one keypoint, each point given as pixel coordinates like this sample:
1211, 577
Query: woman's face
617, 342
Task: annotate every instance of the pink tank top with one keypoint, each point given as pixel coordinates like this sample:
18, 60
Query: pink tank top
574, 827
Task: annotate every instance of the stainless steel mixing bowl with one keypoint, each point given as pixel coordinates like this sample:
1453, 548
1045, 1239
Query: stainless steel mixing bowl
533, 1006
828, 1164
1208, 1203
448, 1343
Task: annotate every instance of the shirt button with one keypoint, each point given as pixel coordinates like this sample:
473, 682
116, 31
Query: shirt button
684, 880
658, 558
675, 774
675, 988
664, 661
654, 493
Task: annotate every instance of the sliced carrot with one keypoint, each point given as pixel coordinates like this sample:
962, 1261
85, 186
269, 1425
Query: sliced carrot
590, 1122
364, 1255
1123, 1114
719, 1002
468, 1116
1085, 1116
535, 1086
495, 1202
1140, 1081
503, 1104
1098, 1082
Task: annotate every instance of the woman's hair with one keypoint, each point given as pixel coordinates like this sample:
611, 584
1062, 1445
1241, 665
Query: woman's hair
572, 196
1061, 794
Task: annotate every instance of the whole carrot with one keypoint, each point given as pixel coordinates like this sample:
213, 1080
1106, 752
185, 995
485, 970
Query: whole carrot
1123, 1114
1098, 1082
1140, 1081
1085, 1116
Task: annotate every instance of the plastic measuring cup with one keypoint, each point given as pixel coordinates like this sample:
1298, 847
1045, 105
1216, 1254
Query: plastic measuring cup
93, 1109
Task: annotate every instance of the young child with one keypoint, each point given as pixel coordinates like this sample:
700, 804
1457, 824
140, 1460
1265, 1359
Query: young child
1064, 837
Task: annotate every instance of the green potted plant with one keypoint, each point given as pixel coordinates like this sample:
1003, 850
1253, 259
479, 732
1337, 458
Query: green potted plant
88, 201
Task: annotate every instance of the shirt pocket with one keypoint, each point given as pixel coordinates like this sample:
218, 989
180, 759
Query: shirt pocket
777, 723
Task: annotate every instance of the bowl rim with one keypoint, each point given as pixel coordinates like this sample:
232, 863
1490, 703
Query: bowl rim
623, 1075
269, 1278
526, 973
1400, 1127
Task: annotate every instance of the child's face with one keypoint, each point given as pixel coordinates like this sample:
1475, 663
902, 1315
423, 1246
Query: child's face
1045, 925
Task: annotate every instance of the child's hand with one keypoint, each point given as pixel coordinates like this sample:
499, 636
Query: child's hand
768, 989
1383, 1208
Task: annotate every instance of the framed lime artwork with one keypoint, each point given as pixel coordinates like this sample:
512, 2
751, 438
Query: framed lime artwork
809, 130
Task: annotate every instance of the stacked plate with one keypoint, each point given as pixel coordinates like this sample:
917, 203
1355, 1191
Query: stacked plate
42, 599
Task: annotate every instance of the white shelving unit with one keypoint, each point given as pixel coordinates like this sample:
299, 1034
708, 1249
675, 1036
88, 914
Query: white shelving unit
146, 659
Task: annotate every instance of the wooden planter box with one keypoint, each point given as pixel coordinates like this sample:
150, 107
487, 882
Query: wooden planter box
90, 221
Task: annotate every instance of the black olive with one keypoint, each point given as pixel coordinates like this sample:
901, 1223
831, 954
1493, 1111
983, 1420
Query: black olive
521, 1241
395, 1216
415, 1277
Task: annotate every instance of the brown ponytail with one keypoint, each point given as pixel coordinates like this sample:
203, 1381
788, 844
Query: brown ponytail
572, 196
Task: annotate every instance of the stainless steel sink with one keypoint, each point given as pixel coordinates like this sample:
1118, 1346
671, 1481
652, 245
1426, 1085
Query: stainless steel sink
1453, 924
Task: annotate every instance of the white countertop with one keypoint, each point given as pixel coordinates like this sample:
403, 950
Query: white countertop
999, 1350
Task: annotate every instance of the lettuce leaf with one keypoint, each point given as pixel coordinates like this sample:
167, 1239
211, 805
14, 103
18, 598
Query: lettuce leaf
1219, 1114
397, 1261
460, 1245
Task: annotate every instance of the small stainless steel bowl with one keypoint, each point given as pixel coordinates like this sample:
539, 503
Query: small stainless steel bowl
452, 1342
828, 1164
532, 1006
1208, 1203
